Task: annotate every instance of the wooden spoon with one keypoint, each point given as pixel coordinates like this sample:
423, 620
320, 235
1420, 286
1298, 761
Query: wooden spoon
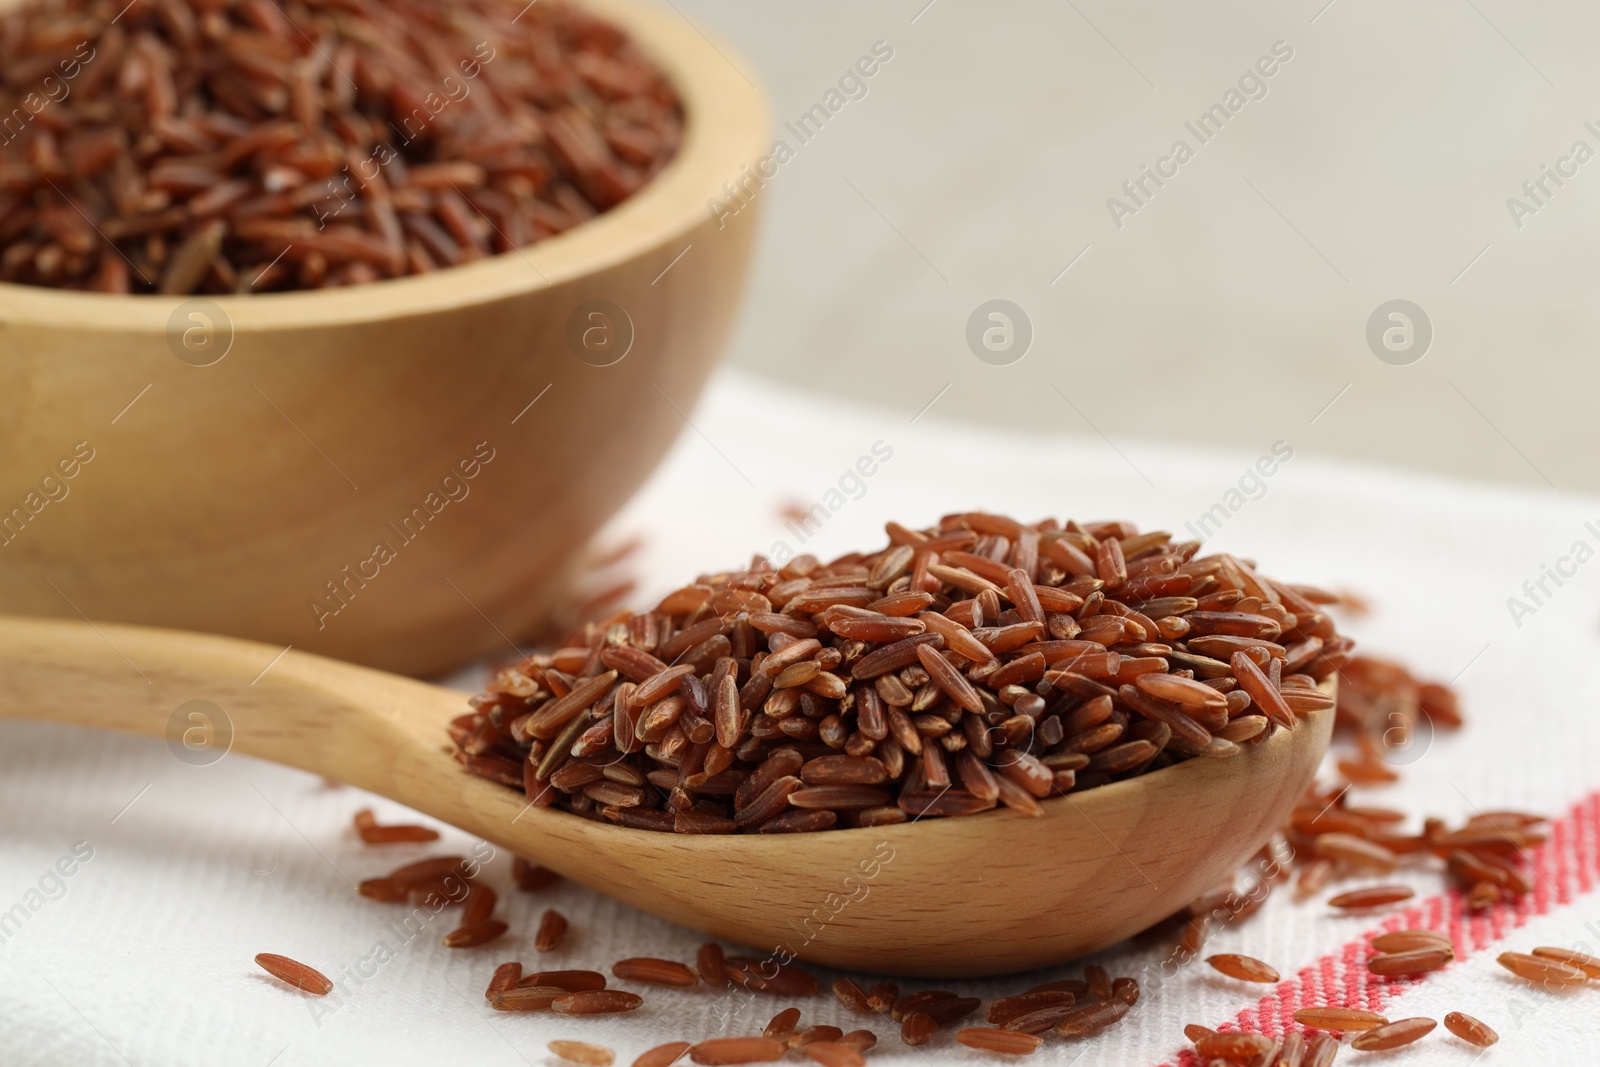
984, 894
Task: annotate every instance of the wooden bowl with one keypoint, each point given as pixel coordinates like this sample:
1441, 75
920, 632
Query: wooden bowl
372, 450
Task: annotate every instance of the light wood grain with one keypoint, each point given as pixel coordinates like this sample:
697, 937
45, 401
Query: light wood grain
227, 496
988, 894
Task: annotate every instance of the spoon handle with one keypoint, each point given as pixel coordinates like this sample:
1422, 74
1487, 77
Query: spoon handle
378, 731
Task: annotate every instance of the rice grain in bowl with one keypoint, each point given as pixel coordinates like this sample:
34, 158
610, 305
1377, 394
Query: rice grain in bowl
205, 146
370, 472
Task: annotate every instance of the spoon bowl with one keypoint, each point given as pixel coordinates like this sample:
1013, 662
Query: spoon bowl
986, 894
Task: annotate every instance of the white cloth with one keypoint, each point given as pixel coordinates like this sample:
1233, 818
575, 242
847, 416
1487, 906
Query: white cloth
147, 957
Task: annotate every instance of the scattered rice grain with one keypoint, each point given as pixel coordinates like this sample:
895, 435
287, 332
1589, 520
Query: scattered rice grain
1393, 1035
992, 1039
1244, 968
295, 973
583, 1052
1470, 1030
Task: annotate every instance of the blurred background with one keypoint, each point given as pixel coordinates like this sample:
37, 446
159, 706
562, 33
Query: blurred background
1230, 304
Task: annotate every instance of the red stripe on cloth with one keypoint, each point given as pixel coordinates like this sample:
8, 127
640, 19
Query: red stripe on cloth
1565, 867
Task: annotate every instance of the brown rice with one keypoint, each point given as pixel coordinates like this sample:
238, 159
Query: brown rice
947, 674
583, 1052
1393, 1035
196, 147
1470, 1030
295, 973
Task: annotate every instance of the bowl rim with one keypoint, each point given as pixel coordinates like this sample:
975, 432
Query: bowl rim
726, 121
